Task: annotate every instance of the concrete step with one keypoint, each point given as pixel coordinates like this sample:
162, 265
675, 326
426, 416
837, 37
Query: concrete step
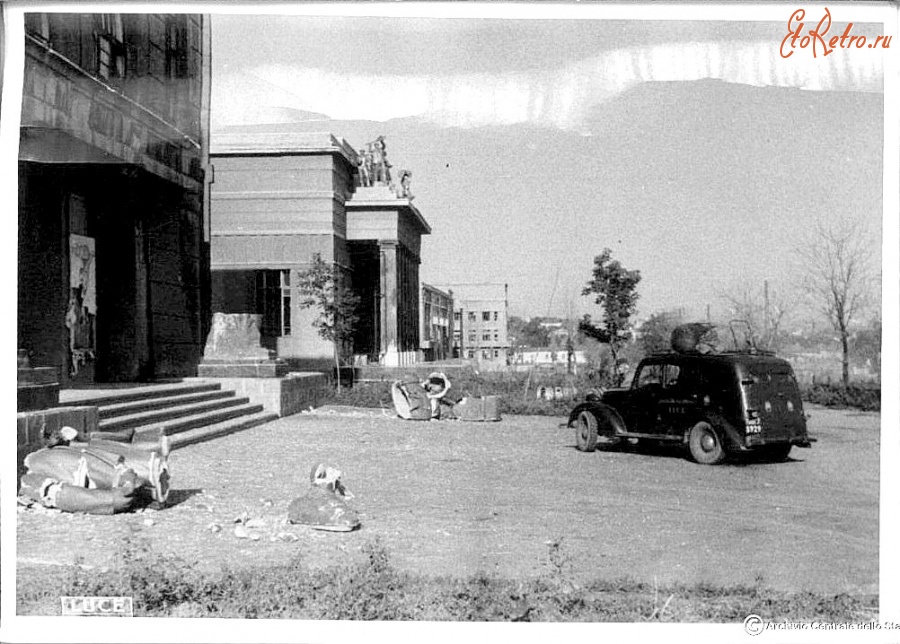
102, 397
150, 404
152, 432
209, 432
155, 416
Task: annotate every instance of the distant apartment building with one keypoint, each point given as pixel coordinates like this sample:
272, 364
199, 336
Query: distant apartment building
437, 323
480, 323
113, 248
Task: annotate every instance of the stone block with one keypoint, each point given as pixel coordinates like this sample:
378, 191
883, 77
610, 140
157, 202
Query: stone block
242, 369
284, 395
32, 426
31, 397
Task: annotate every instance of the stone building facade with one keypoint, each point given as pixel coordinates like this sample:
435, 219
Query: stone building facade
480, 323
280, 198
437, 323
113, 246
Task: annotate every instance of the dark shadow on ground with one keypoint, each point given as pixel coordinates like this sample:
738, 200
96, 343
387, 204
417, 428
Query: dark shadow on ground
678, 451
177, 497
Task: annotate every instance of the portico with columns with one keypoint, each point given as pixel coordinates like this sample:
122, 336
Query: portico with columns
278, 199
379, 221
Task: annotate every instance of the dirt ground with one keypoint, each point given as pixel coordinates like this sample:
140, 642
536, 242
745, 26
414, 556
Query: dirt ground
454, 498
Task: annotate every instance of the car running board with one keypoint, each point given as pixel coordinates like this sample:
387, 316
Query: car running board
655, 437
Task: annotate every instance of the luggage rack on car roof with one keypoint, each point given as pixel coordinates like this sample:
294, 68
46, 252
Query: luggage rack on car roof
688, 339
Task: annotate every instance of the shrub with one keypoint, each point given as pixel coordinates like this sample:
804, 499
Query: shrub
517, 391
862, 397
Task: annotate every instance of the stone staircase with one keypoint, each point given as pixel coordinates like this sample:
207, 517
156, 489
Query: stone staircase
186, 413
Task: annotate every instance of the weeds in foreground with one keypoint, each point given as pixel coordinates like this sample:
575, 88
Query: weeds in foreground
369, 587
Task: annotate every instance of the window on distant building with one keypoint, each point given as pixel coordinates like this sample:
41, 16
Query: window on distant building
486, 316
496, 316
471, 353
457, 315
496, 336
472, 317
486, 336
472, 338
496, 353
485, 354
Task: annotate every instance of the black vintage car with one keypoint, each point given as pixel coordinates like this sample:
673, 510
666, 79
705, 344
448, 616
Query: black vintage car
715, 404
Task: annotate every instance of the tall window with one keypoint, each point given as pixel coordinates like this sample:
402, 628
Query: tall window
110, 47
273, 298
485, 316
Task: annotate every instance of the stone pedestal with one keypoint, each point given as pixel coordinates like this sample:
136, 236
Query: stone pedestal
233, 350
36, 388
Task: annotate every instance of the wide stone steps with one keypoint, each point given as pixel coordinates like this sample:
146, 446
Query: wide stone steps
105, 397
186, 413
153, 432
155, 416
216, 430
149, 404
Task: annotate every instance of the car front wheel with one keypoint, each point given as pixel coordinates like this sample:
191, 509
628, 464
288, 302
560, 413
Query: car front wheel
586, 431
705, 444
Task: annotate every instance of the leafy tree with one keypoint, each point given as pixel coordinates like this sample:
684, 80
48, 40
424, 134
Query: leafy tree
655, 333
614, 289
529, 333
839, 277
325, 287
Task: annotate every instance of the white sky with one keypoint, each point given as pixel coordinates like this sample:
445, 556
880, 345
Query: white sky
497, 100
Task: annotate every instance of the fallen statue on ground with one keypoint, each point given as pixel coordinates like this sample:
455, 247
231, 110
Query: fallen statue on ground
323, 506
96, 477
429, 400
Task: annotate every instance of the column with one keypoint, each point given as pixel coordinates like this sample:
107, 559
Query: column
388, 348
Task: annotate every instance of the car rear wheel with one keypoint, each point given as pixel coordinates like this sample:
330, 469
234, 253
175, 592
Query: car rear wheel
705, 444
586, 431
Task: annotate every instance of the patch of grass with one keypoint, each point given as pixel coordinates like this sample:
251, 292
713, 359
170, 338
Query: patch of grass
517, 391
369, 587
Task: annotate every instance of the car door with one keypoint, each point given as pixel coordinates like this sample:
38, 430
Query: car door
643, 407
678, 398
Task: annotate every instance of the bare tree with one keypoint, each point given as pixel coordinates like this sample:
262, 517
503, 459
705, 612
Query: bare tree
764, 308
839, 277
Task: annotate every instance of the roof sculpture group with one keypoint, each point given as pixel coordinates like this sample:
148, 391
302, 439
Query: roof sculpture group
374, 169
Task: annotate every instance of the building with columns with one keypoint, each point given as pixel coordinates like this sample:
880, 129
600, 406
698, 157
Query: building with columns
280, 198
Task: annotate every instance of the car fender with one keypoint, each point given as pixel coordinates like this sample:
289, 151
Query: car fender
729, 433
604, 413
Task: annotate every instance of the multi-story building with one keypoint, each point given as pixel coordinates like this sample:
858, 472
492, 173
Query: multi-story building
113, 248
437, 323
480, 323
281, 197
